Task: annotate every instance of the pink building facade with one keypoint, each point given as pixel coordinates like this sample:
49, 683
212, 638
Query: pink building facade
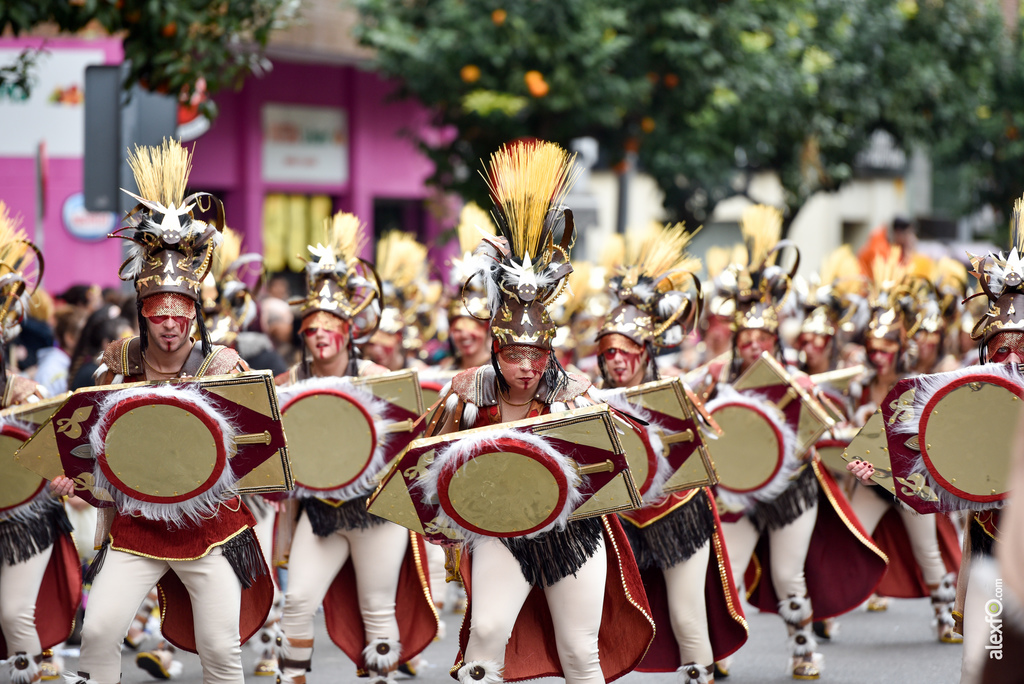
320, 138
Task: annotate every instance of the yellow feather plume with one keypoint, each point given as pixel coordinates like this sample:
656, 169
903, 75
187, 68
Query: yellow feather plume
228, 252
401, 260
717, 259
161, 172
473, 219
761, 226
344, 234
1016, 229
15, 254
887, 271
661, 249
613, 254
526, 181
842, 270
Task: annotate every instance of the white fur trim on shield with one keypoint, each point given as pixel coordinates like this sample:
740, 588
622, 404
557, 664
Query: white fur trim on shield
617, 400
453, 456
927, 386
197, 509
378, 410
790, 462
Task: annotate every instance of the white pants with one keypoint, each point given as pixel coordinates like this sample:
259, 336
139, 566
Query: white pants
377, 554
687, 607
924, 538
500, 590
264, 531
438, 573
788, 544
125, 580
19, 588
981, 588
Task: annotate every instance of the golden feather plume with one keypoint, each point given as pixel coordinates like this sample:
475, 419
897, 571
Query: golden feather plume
1016, 229
473, 219
400, 259
662, 249
842, 270
161, 172
344, 234
613, 254
887, 272
579, 286
761, 226
526, 181
950, 274
14, 247
228, 252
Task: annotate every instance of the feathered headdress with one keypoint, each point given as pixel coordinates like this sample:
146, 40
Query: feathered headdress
529, 257
338, 281
1001, 278
761, 288
651, 304
832, 295
228, 302
892, 300
468, 296
171, 250
21, 269
402, 267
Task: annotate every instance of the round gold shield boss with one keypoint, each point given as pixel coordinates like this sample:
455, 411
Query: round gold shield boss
162, 450
969, 463
504, 493
750, 450
331, 439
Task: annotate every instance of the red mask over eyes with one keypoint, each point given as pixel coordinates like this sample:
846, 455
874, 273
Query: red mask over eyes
1006, 347
182, 321
518, 354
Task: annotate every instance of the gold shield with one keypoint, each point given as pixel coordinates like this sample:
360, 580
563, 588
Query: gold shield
331, 439
871, 445
750, 450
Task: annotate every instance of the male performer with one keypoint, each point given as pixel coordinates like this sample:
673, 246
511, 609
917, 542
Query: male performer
209, 567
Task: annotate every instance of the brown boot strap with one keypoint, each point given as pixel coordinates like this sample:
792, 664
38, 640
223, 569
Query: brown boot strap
305, 665
300, 643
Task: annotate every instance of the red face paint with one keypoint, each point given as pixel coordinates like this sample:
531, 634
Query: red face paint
621, 365
522, 365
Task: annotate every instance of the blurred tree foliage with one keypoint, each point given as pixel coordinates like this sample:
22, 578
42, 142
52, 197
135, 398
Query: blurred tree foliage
180, 47
705, 92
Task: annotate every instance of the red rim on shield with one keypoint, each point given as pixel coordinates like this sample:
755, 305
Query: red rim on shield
156, 441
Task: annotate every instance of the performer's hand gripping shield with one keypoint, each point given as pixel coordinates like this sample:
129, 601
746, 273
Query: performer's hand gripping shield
166, 450
509, 480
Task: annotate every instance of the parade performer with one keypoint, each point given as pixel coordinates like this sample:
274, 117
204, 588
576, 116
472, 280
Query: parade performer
468, 312
40, 578
898, 315
402, 266
676, 538
369, 574
575, 586
800, 511
214, 585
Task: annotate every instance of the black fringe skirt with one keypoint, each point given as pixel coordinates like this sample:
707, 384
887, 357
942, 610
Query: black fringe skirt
351, 515
982, 543
22, 539
552, 556
673, 539
789, 505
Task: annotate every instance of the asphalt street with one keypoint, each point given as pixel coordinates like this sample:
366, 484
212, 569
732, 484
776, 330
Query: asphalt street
895, 646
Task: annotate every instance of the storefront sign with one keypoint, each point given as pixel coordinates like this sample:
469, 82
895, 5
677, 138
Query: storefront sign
304, 144
90, 226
